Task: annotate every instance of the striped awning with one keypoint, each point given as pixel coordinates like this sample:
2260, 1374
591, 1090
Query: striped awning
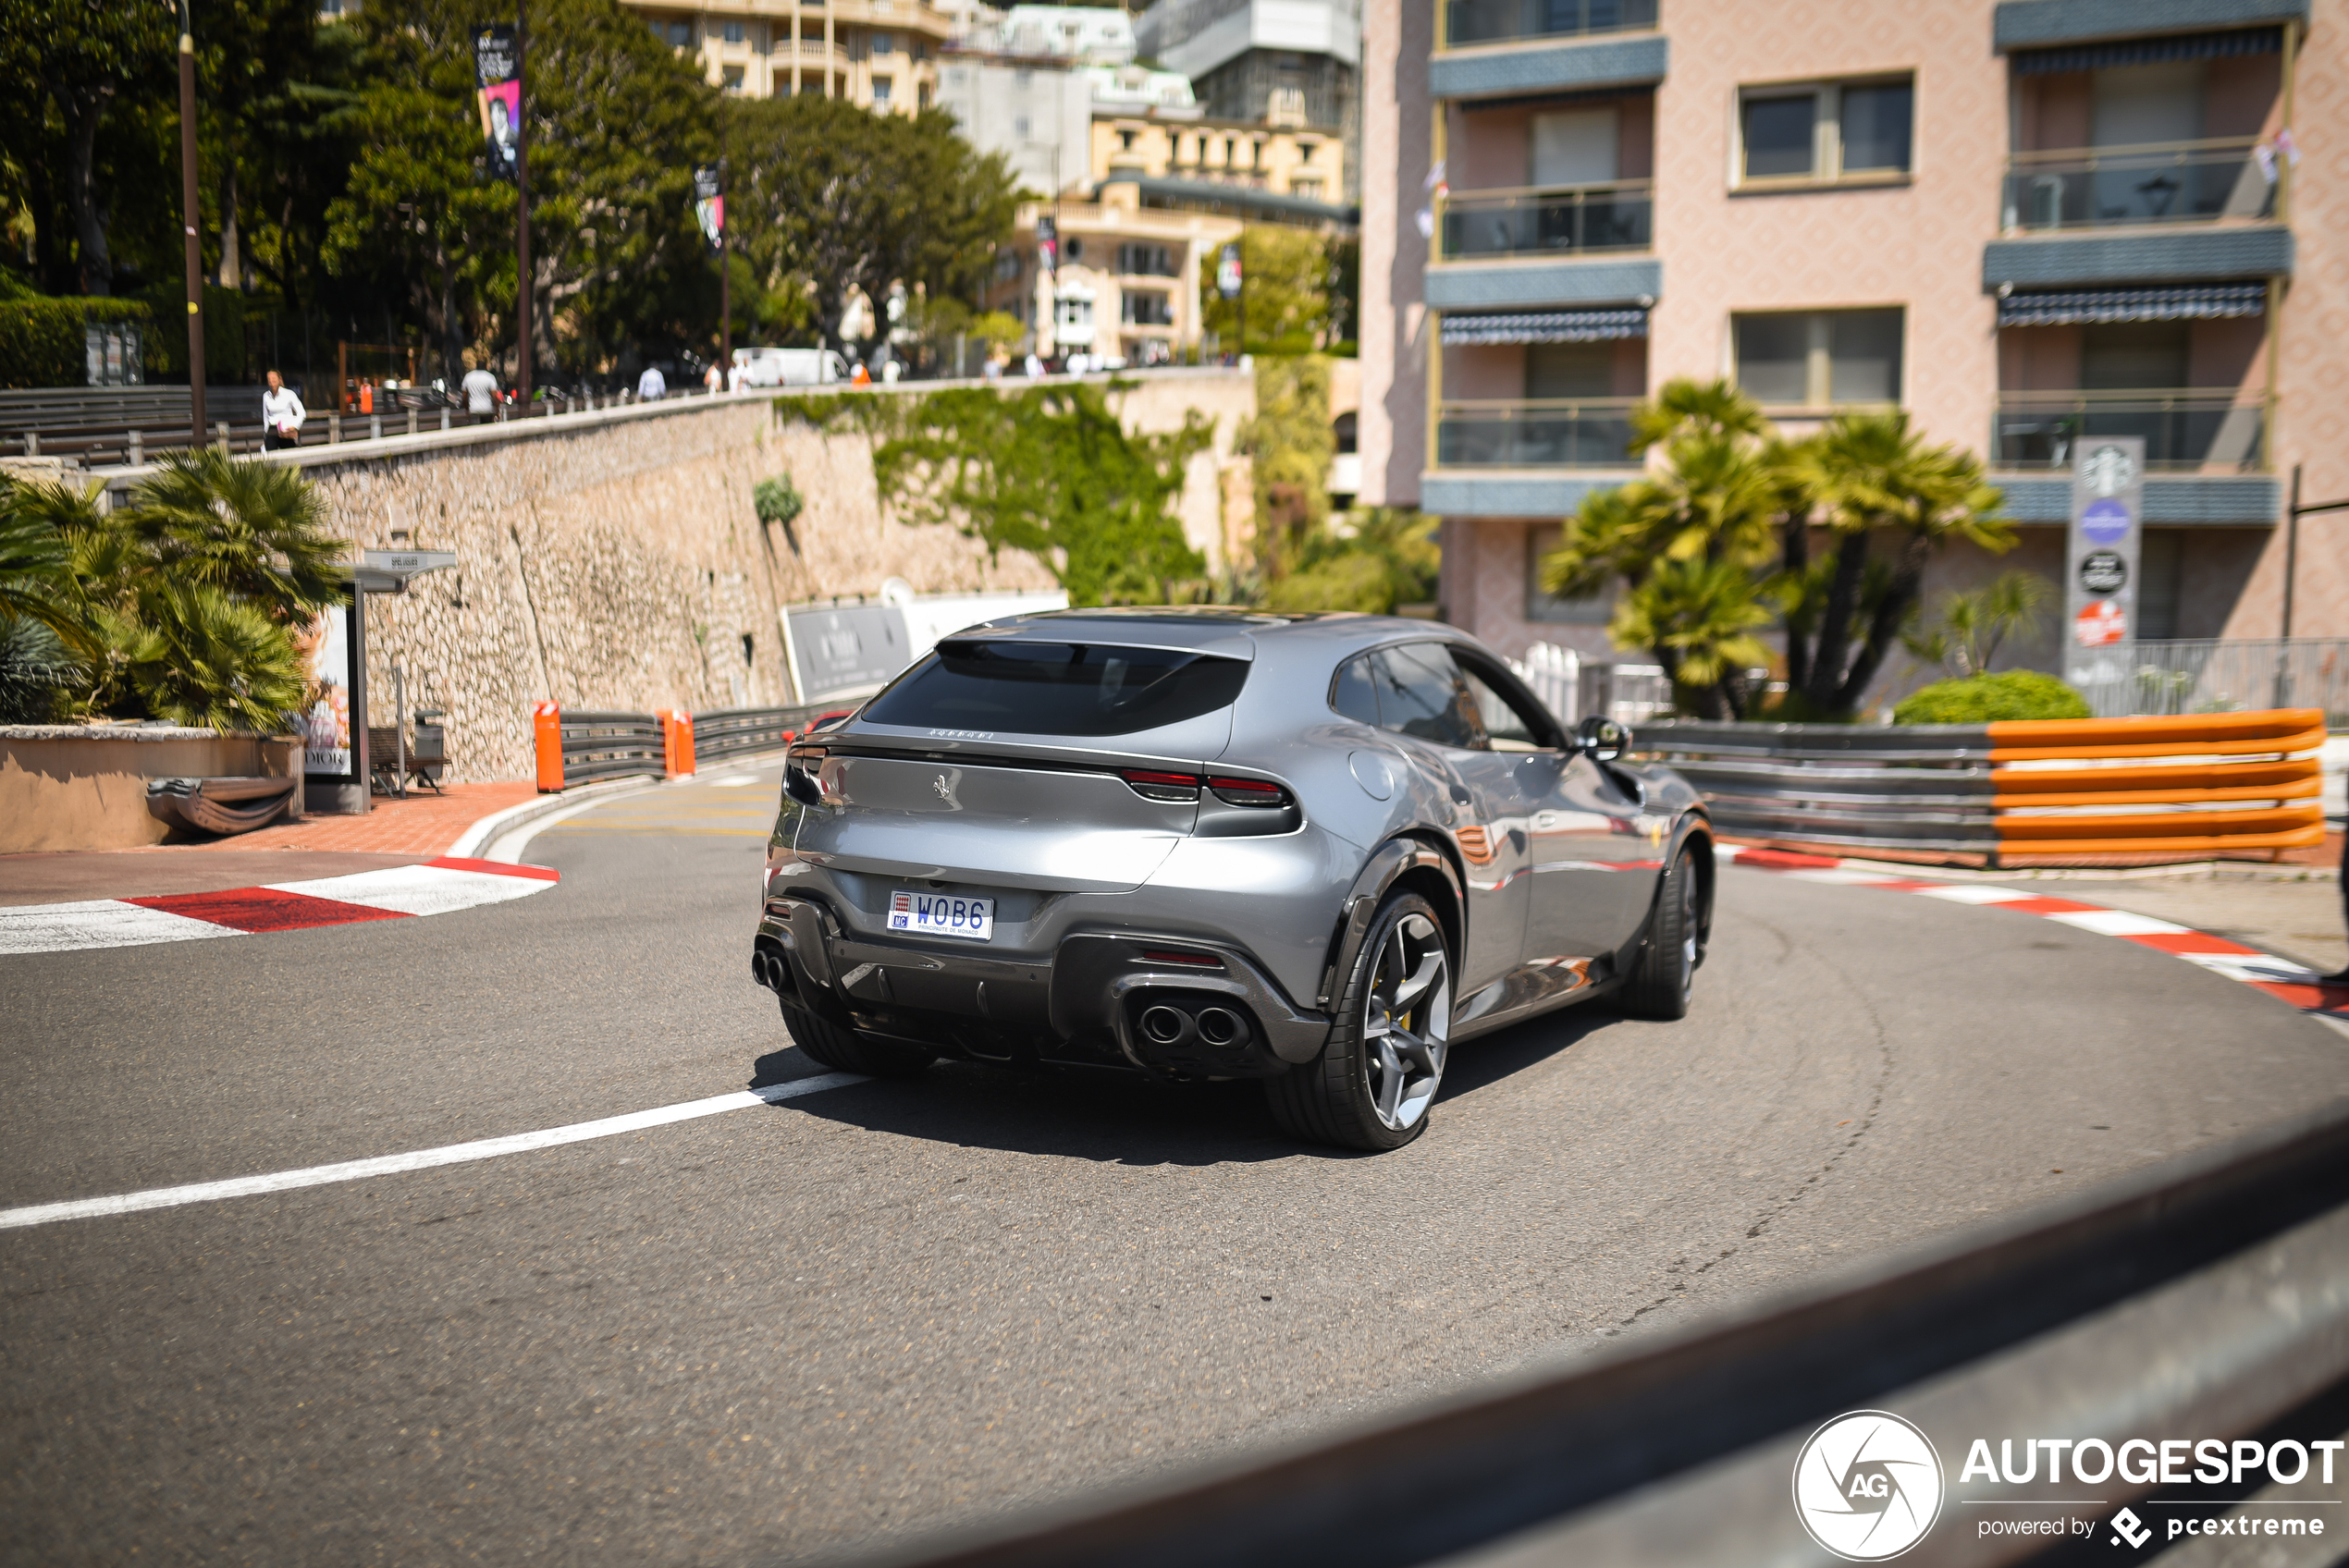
2206, 302
2149, 51
1467, 329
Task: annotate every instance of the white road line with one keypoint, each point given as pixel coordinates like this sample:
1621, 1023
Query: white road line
2119, 923
421, 1160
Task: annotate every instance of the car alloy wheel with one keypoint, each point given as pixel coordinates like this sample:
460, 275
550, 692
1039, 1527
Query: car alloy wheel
1407, 1022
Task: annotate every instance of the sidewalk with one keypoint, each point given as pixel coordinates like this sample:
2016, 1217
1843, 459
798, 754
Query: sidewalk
397, 833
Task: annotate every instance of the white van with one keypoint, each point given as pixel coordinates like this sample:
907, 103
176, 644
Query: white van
790, 367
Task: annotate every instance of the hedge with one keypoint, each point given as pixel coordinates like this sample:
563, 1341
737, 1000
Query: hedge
41, 342
1989, 699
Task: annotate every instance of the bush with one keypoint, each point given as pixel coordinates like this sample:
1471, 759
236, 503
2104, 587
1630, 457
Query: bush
40, 338
1988, 698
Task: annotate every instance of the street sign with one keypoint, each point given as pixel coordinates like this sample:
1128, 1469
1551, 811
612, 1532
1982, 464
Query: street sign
2102, 559
407, 563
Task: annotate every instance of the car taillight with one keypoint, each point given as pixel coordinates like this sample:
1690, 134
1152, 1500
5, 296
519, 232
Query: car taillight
1247, 792
801, 765
1173, 787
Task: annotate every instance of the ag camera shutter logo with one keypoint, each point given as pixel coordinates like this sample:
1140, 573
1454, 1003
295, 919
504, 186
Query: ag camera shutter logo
1867, 1486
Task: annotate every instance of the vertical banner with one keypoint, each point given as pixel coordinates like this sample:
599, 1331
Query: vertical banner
709, 203
1047, 243
328, 655
499, 77
2101, 566
1227, 271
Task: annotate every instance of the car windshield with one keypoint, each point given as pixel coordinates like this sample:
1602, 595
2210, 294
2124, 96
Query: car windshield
1077, 688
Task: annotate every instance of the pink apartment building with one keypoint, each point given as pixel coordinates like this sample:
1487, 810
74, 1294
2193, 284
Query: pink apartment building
2023, 220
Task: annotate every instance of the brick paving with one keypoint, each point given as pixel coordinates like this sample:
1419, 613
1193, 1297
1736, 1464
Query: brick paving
423, 824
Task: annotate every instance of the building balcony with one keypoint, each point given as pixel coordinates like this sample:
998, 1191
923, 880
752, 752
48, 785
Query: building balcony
1501, 22
1535, 433
1561, 221
2186, 430
1501, 57
2164, 182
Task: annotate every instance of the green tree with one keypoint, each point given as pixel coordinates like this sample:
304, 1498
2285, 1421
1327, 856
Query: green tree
1872, 478
1289, 441
87, 56
1968, 627
1052, 470
1380, 560
1286, 285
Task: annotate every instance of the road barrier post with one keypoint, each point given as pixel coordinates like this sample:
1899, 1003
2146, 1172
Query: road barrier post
676, 742
546, 725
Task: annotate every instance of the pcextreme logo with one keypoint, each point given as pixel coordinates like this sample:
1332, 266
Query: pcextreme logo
1867, 1486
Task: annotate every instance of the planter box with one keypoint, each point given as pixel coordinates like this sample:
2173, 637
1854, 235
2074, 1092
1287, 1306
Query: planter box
84, 786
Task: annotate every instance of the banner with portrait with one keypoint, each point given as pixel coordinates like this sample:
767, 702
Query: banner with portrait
498, 76
330, 676
709, 203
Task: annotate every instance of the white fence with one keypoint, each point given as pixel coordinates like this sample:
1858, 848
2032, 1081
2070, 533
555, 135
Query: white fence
1574, 688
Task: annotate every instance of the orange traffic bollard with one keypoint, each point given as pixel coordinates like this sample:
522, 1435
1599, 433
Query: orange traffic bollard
546, 724
676, 742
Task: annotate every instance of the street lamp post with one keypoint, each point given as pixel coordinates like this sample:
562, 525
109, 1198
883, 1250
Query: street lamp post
189, 211
522, 201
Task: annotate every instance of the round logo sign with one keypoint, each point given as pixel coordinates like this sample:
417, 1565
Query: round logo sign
2105, 522
2103, 571
2100, 623
1867, 1486
2108, 470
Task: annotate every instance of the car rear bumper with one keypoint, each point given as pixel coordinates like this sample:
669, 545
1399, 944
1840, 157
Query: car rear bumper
1083, 1004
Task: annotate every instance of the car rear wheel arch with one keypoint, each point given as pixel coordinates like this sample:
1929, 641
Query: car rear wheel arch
1437, 878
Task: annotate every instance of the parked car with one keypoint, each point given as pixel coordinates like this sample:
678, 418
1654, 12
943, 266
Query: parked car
1319, 850
791, 367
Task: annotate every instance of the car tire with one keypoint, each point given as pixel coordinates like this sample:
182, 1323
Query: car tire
1361, 1092
851, 1050
1663, 975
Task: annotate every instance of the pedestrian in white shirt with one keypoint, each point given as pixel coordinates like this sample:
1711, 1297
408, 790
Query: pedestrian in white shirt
480, 392
733, 378
281, 415
652, 385
711, 380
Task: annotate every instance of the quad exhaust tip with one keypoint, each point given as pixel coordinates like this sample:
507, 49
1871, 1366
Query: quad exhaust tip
1221, 1026
1166, 1025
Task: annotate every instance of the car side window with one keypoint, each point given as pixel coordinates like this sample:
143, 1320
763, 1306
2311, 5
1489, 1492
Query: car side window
1509, 728
1421, 694
1356, 694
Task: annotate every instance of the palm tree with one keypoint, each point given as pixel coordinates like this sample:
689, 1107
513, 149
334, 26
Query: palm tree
1867, 473
254, 531
1696, 528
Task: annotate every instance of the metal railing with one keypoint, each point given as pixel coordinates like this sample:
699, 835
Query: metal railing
1620, 215
2200, 1297
2193, 676
732, 732
612, 745
2152, 787
1497, 21
1535, 433
2150, 182
2184, 428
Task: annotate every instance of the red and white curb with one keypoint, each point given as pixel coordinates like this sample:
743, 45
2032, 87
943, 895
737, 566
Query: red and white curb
2281, 978
402, 892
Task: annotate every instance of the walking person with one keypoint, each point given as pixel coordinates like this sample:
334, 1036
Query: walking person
481, 393
651, 386
281, 415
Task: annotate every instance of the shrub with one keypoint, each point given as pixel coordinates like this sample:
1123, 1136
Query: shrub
1988, 698
40, 338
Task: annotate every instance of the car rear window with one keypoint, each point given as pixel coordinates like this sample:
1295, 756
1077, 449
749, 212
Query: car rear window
1058, 688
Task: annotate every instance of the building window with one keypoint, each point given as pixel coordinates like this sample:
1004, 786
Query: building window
1819, 358
1304, 150
733, 78
881, 85
1834, 130
1019, 129
1145, 261
921, 95
884, 44
733, 32
1311, 190
1126, 141
1137, 309
1073, 249
681, 35
1596, 609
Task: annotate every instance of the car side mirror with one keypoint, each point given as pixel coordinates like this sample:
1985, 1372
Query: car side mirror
1602, 740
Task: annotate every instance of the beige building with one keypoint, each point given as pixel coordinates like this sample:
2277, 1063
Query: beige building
877, 54
1281, 160
1127, 286
2026, 221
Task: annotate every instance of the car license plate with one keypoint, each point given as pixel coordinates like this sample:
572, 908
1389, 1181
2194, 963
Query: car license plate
943, 915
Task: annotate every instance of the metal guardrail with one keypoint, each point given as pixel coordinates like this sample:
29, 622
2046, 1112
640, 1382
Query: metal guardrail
612, 745
731, 732
2202, 1297
2182, 788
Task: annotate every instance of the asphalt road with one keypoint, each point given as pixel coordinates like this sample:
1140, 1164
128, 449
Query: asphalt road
771, 1333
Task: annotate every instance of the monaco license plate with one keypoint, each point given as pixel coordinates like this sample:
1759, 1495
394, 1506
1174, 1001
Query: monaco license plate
943, 915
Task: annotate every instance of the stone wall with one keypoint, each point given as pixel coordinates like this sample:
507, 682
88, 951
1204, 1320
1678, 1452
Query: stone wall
619, 563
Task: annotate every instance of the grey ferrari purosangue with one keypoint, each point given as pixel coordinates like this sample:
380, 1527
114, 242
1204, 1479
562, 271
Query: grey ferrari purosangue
1320, 850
